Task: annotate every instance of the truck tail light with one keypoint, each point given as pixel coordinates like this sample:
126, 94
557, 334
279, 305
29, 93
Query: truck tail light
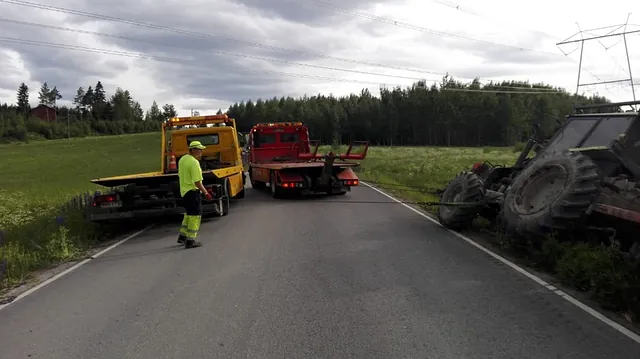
106, 201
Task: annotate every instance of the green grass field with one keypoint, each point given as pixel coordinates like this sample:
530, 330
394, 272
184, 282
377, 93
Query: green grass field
416, 172
37, 178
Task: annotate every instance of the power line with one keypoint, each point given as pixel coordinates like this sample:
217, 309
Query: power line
101, 34
556, 92
473, 12
18, 22
173, 60
334, 7
245, 42
331, 6
209, 36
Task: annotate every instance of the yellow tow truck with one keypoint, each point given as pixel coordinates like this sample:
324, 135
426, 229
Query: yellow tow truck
156, 194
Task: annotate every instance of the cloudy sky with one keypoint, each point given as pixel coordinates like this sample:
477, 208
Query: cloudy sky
207, 54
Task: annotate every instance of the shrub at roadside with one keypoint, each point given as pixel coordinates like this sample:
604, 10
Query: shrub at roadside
37, 239
604, 272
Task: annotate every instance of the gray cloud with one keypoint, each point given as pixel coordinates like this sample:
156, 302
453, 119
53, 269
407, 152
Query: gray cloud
201, 72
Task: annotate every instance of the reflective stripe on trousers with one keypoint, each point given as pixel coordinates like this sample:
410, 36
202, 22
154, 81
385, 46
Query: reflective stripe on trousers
190, 226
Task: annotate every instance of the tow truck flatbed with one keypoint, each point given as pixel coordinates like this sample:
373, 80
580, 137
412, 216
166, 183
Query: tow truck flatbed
281, 156
157, 193
153, 178
312, 164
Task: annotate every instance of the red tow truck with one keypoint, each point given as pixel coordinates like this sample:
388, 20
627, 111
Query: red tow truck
280, 155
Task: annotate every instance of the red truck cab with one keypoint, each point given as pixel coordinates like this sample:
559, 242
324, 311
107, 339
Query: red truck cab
278, 142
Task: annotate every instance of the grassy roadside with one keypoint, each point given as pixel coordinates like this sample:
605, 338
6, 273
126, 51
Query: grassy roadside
602, 273
42, 204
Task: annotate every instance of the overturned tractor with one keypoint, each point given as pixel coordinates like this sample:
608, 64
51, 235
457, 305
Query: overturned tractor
586, 177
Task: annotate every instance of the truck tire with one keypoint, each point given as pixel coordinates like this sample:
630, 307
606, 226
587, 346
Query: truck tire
226, 192
466, 187
255, 184
240, 195
275, 191
553, 193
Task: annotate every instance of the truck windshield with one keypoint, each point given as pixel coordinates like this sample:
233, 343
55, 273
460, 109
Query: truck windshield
262, 139
289, 137
207, 140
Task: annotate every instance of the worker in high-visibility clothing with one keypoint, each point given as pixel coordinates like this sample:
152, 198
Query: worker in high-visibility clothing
191, 190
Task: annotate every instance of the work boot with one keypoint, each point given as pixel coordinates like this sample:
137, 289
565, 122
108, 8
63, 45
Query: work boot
192, 243
181, 239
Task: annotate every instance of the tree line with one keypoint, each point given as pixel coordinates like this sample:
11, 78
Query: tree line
451, 113
93, 113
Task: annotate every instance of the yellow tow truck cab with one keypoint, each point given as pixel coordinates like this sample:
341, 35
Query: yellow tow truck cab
157, 193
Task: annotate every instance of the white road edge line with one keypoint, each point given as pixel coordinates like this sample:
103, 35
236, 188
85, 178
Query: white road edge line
74, 267
628, 333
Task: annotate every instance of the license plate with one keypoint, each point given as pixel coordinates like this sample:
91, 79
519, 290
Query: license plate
111, 205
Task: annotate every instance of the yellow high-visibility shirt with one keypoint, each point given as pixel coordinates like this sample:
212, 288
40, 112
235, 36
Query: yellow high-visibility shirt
189, 172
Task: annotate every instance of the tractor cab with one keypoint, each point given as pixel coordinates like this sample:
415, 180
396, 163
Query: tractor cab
611, 140
278, 142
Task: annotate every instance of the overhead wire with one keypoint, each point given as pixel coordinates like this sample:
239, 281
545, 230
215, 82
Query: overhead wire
226, 53
171, 60
210, 36
165, 28
330, 5
199, 64
334, 7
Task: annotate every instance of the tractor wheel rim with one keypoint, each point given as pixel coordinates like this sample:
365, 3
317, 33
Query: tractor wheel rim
541, 190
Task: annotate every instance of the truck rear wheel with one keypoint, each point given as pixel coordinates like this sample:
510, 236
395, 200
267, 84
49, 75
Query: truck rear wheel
255, 184
226, 196
240, 194
553, 193
275, 191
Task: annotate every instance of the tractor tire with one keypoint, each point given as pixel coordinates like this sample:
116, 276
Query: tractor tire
552, 193
466, 187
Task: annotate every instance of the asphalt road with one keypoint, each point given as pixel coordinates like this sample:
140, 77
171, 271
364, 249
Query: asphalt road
303, 279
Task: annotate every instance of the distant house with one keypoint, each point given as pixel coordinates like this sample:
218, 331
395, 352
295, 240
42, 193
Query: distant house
44, 112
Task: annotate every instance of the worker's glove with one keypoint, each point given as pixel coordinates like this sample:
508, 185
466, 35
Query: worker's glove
208, 196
